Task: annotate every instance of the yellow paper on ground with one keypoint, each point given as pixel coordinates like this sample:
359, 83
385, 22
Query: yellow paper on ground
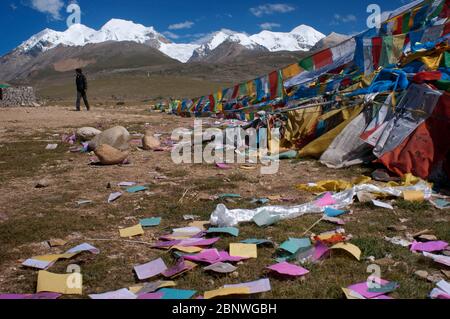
350, 294
67, 284
162, 284
131, 231
352, 249
227, 292
413, 196
244, 250
199, 224
52, 258
188, 250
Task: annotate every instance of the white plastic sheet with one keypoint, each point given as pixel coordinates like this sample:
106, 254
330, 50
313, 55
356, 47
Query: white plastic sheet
223, 217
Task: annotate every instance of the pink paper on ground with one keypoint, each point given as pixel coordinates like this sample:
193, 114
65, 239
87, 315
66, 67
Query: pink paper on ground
288, 269
178, 269
223, 166
198, 242
166, 244
320, 249
326, 200
363, 290
211, 256
150, 269
151, 296
225, 256
430, 246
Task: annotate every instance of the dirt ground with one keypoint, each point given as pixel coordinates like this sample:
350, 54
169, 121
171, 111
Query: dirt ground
30, 216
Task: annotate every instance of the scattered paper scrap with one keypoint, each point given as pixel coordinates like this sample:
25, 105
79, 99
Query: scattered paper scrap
440, 203
256, 287
126, 184
150, 222
326, 200
114, 196
352, 249
413, 196
227, 292
233, 231
182, 267
151, 296
136, 189
121, 294
288, 269
220, 267
445, 260
188, 250
56, 242
223, 196
429, 247
223, 166
151, 269
293, 245
244, 250
66, 284
177, 294
363, 289
51, 147
131, 231
382, 204
330, 212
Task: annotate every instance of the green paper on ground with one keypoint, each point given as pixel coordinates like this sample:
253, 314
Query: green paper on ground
293, 245
150, 222
224, 230
136, 189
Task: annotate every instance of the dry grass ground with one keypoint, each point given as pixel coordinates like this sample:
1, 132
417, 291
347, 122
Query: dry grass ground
30, 216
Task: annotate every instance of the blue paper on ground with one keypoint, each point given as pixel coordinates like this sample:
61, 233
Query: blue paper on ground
331, 212
177, 294
150, 222
136, 189
224, 230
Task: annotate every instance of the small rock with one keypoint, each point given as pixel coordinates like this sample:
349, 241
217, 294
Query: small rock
56, 242
435, 278
235, 274
422, 274
108, 155
43, 183
150, 142
211, 282
87, 133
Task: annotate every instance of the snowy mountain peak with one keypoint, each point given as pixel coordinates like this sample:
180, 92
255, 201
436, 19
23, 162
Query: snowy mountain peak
302, 38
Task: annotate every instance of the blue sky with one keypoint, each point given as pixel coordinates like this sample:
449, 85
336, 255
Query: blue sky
187, 20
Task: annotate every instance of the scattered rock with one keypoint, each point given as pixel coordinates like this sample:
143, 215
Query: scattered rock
422, 274
56, 242
108, 155
117, 137
235, 275
43, 183
150, 142
87, 133
446, 273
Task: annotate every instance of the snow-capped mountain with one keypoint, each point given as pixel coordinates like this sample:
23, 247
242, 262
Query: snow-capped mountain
301, 38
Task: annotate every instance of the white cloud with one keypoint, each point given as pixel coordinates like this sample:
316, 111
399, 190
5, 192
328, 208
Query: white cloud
269, 26
171, 35
182, 25
338, 19
50, 7
268, 9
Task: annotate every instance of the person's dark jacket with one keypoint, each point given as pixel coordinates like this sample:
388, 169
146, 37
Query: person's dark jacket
81, 83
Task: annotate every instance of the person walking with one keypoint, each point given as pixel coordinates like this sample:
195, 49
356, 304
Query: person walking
82, 87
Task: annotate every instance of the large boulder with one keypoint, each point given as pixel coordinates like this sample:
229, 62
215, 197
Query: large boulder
108, 155
150, 142
117, 137
87, 133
